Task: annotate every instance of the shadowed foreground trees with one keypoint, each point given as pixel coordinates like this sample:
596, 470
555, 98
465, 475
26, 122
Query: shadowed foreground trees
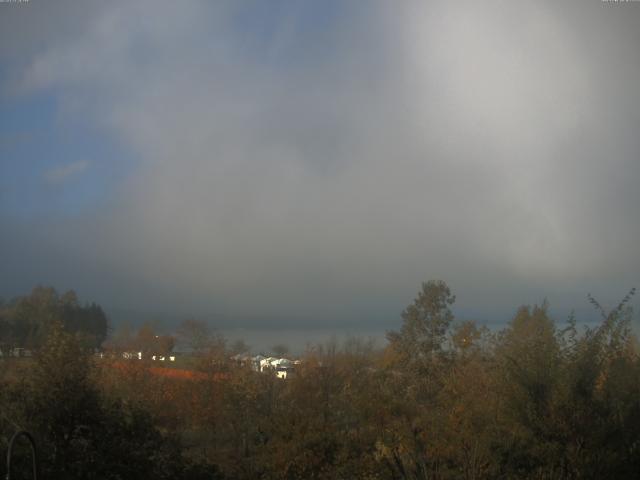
444, 400
82, 434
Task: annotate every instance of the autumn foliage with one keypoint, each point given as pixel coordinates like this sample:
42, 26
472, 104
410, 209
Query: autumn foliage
444, 399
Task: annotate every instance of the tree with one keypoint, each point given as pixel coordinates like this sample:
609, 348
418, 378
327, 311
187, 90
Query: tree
425, 324
600, 413
196, 334
149, 342
62, 404
466, 336
122, 338
528, 376
29, 318
81, 433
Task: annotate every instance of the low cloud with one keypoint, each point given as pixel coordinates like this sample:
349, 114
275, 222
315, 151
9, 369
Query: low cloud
304, 173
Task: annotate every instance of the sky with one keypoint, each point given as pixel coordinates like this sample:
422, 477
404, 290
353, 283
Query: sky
309, 164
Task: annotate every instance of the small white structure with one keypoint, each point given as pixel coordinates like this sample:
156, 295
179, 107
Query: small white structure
265, 363
281, 362
282, 367
285, 372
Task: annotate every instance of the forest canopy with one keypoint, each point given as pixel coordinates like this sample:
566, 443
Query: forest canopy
25, 321
444, 399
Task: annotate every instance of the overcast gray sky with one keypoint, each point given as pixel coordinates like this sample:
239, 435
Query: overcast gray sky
311, 162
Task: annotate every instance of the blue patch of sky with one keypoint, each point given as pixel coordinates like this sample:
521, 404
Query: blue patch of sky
36, 139
309, 27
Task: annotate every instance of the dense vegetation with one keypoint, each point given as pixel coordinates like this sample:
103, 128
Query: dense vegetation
443, 400
26, 321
